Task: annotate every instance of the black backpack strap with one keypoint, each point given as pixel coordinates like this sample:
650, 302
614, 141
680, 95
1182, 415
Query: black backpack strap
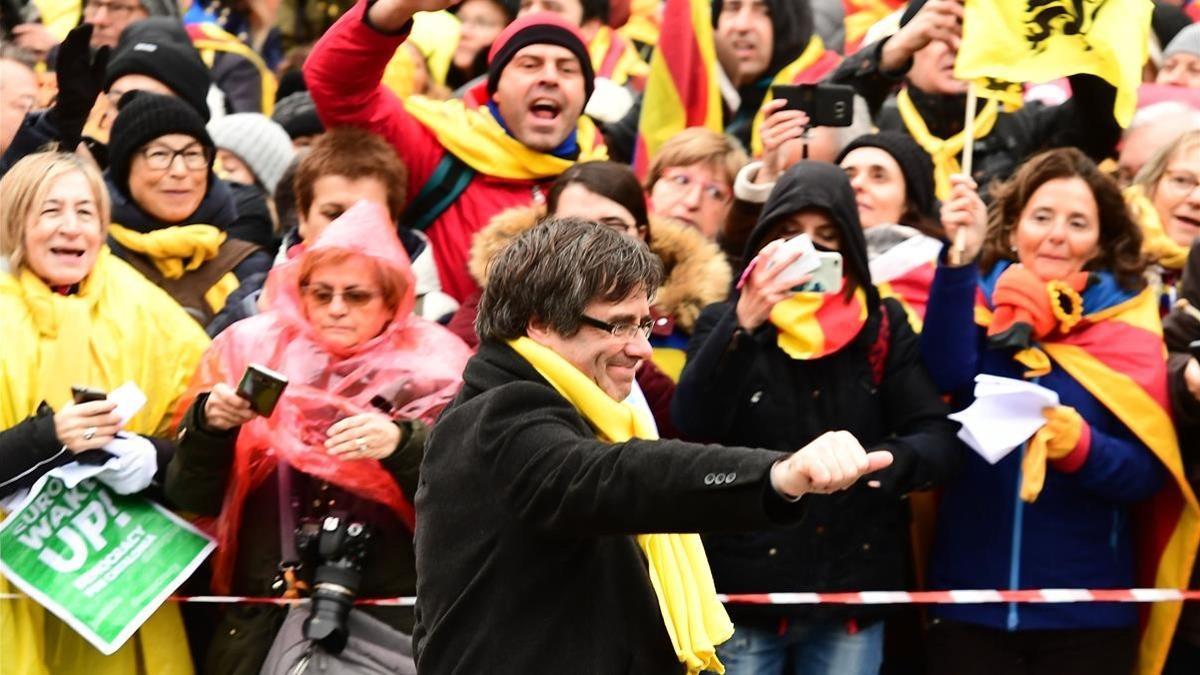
450, 178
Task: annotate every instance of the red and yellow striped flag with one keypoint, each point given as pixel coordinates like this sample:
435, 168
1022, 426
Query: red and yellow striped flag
682, 89
861, 15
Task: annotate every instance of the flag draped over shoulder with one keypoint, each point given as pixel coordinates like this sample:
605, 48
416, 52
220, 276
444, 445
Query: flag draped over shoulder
1116, 353
861, 15
1042, 40
681, 89
813, 64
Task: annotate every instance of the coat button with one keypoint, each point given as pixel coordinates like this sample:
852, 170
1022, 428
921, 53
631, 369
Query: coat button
755, 397
772, 551
731, 476
719, 479
709, 479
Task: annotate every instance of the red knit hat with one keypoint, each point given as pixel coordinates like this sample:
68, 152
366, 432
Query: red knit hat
533, 29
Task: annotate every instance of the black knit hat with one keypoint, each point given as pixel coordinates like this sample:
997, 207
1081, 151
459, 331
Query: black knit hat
297, 114
143, 117
533, 29
177, 66
914, 163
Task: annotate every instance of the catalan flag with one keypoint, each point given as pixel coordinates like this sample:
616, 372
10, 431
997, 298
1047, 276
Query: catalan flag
615, 58
1042, 40
681, 89
1116, 352
813, 64
814, 325
861, 15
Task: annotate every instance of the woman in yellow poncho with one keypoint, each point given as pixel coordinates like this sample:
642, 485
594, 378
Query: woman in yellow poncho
73, 314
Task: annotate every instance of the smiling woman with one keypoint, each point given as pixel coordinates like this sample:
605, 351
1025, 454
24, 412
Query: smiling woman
72, 314
172, 217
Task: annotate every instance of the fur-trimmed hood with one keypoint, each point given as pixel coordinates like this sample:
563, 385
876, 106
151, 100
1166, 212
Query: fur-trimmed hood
697, 273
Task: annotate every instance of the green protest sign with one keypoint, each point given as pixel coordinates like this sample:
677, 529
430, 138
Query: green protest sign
100, 561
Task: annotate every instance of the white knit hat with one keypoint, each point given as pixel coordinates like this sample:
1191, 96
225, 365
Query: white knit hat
259, 142
1186, 41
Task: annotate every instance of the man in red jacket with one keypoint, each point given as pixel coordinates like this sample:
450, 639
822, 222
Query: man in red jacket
464, 164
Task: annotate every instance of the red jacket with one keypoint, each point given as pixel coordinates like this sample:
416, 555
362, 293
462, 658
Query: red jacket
343, 74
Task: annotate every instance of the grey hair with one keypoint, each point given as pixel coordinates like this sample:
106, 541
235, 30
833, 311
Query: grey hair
552, 271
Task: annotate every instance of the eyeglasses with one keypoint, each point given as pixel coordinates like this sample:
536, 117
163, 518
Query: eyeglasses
117, 10
354, 298
621, 226
160, 157
1181, 181
621, 331
681, 181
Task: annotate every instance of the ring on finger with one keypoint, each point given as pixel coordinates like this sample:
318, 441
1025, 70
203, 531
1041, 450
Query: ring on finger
89, 433
360, 443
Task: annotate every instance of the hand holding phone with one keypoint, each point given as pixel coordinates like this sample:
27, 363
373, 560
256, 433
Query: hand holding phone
262, 387
827, 105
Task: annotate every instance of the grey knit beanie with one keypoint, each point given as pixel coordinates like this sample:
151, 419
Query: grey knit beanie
258, 141
1186, 41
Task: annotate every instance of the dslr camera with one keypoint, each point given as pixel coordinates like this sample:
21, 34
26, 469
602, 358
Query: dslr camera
338, 544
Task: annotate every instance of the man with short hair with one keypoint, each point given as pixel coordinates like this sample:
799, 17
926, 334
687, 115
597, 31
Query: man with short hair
465, 164
538, 484
111, 17
614, 59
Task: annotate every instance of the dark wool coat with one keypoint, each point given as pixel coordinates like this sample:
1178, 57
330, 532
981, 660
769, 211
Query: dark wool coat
526, 559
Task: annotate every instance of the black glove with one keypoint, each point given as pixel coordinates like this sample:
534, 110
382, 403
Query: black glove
80, 78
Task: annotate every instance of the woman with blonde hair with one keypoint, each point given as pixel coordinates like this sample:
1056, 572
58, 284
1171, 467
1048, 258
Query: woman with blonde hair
72, 314
1165, 200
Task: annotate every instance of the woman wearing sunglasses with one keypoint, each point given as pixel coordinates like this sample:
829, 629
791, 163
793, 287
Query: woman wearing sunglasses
173, 219
365, 377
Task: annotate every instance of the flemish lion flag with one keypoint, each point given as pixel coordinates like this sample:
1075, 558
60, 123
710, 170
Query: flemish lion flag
1042, 40
681, 90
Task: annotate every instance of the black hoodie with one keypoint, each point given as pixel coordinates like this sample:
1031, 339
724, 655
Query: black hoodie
807, 185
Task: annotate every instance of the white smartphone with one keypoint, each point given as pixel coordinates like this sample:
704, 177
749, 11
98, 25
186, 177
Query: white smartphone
827, 278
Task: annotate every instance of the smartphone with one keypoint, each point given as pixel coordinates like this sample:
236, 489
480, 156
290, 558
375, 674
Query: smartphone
827, 105
262, 387
87, 394
827, 278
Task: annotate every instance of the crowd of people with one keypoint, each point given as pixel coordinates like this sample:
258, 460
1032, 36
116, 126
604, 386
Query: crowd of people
528, 353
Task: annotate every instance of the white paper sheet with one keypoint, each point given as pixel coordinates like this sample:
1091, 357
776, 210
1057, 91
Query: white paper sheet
1006, 412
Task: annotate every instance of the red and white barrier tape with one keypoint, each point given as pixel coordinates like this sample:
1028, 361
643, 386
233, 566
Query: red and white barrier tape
961, 597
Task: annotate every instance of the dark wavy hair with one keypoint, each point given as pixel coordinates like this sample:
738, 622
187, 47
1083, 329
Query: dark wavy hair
1120, 236
608, 179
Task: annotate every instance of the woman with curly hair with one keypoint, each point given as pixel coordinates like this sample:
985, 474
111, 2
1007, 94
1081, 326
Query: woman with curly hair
1096, 498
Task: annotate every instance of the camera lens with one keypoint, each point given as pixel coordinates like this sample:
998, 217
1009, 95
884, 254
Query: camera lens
334, 588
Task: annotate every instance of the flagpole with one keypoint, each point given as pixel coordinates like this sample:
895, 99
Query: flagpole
959, 249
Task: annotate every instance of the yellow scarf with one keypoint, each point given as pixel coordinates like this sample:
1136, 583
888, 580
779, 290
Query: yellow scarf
679, 572
1155, 241
944, 151
173, 250
475, 137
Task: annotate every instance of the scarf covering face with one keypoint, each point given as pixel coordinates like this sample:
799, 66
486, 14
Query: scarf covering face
478, 139
679, 572
1115, 351
944, 151
414, 364
117, 328
812, 325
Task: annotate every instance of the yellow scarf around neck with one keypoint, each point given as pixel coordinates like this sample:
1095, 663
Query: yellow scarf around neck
944, 151
173, 250
1155, 240
695, 619
475, 137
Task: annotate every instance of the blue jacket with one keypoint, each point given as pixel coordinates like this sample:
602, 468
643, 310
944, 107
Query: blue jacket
1076, 535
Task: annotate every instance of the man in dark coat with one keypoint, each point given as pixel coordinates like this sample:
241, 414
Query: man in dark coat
526, 555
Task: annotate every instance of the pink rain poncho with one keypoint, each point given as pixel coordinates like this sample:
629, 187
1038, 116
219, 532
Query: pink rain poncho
414, 364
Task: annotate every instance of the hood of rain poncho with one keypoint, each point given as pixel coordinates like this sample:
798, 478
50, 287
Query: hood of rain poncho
414, 364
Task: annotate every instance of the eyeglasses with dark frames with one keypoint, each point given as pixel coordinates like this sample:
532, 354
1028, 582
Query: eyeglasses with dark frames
621, 331
324, 295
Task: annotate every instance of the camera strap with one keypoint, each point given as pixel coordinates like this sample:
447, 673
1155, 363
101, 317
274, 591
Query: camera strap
289, 560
